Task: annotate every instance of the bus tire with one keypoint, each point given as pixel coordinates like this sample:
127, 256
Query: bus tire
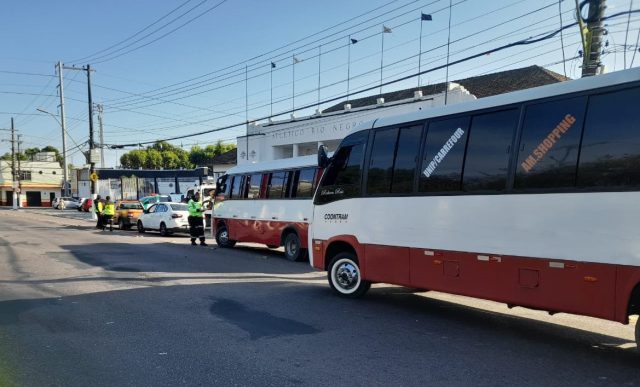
344, 276
292, 247
638, 335
222, 238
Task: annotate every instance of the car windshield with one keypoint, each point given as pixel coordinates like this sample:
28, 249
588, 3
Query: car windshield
164, 199
178, 207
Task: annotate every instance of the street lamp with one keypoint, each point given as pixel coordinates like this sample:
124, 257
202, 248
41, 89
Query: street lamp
64, 150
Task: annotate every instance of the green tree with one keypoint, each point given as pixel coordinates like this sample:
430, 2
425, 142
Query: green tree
170, 160
154, 159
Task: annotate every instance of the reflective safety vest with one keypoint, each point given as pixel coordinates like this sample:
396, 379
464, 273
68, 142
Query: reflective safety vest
195, 208
109, 209
99, 206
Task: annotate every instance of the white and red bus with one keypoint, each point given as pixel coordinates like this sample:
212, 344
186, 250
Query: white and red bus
530, 198
267, 203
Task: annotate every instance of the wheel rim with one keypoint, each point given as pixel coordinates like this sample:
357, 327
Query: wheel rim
345, 276
223, 236
292, 247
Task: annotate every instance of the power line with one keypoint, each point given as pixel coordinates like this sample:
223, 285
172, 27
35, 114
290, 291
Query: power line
486, 52
134, 35
100, 60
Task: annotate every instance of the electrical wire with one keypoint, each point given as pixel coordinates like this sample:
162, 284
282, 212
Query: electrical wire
474, 56
100, 60
132, 36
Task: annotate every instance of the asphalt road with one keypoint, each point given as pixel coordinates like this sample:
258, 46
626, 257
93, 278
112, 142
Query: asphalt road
80, 307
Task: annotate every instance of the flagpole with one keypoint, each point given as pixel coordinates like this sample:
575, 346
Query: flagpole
246, 98
381, 60
420, 52
348, 66
319, 57
446, 91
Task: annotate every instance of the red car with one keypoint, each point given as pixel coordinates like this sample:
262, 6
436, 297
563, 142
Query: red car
86, 204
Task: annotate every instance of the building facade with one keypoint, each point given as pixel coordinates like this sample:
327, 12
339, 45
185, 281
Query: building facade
39, 181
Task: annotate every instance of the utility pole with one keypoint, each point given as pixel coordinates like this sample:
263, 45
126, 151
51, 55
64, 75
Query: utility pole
64, 131
100, 109
91, 139
92, 143
14, 183
19, 168
592, 34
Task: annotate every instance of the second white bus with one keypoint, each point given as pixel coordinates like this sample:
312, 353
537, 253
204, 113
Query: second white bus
267, 203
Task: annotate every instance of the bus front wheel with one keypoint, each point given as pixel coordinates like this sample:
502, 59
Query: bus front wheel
344, 276
222, 238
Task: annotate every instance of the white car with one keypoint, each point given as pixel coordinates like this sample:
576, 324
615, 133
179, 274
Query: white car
69, 202
165, 217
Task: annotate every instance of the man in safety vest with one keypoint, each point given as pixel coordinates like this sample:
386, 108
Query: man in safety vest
97, 208
107, 214
196, 228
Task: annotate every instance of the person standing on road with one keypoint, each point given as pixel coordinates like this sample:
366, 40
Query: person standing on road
61, 204
196, 228
107, 214
97, 208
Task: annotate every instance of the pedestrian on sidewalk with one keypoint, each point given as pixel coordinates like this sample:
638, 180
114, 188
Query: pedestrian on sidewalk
107, 214
97, 208
196, 227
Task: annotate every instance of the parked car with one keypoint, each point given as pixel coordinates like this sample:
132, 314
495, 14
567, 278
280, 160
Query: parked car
69, 202
127, 213
151, 199
164, 217
87, 204
82, 200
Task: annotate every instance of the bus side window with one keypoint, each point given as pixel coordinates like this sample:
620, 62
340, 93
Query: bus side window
404, 166
610, 152
381, 162
236, 190
445, 143
253, 186
276, 182
288, 183
488, 151
304, 183
549, 144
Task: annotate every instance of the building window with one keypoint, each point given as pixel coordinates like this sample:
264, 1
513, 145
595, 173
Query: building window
24, 175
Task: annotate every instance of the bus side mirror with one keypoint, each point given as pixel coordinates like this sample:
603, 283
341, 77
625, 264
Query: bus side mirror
323, 159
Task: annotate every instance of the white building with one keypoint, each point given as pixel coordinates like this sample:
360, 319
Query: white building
302, 136
40, 181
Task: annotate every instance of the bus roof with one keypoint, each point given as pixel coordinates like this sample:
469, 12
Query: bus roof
567, 87
292, 162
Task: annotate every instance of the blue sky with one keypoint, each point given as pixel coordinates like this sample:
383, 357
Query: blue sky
193, 79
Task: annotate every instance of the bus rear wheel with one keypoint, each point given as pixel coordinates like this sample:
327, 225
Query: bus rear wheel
222, 238
344, 276
638, 334
293, 250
